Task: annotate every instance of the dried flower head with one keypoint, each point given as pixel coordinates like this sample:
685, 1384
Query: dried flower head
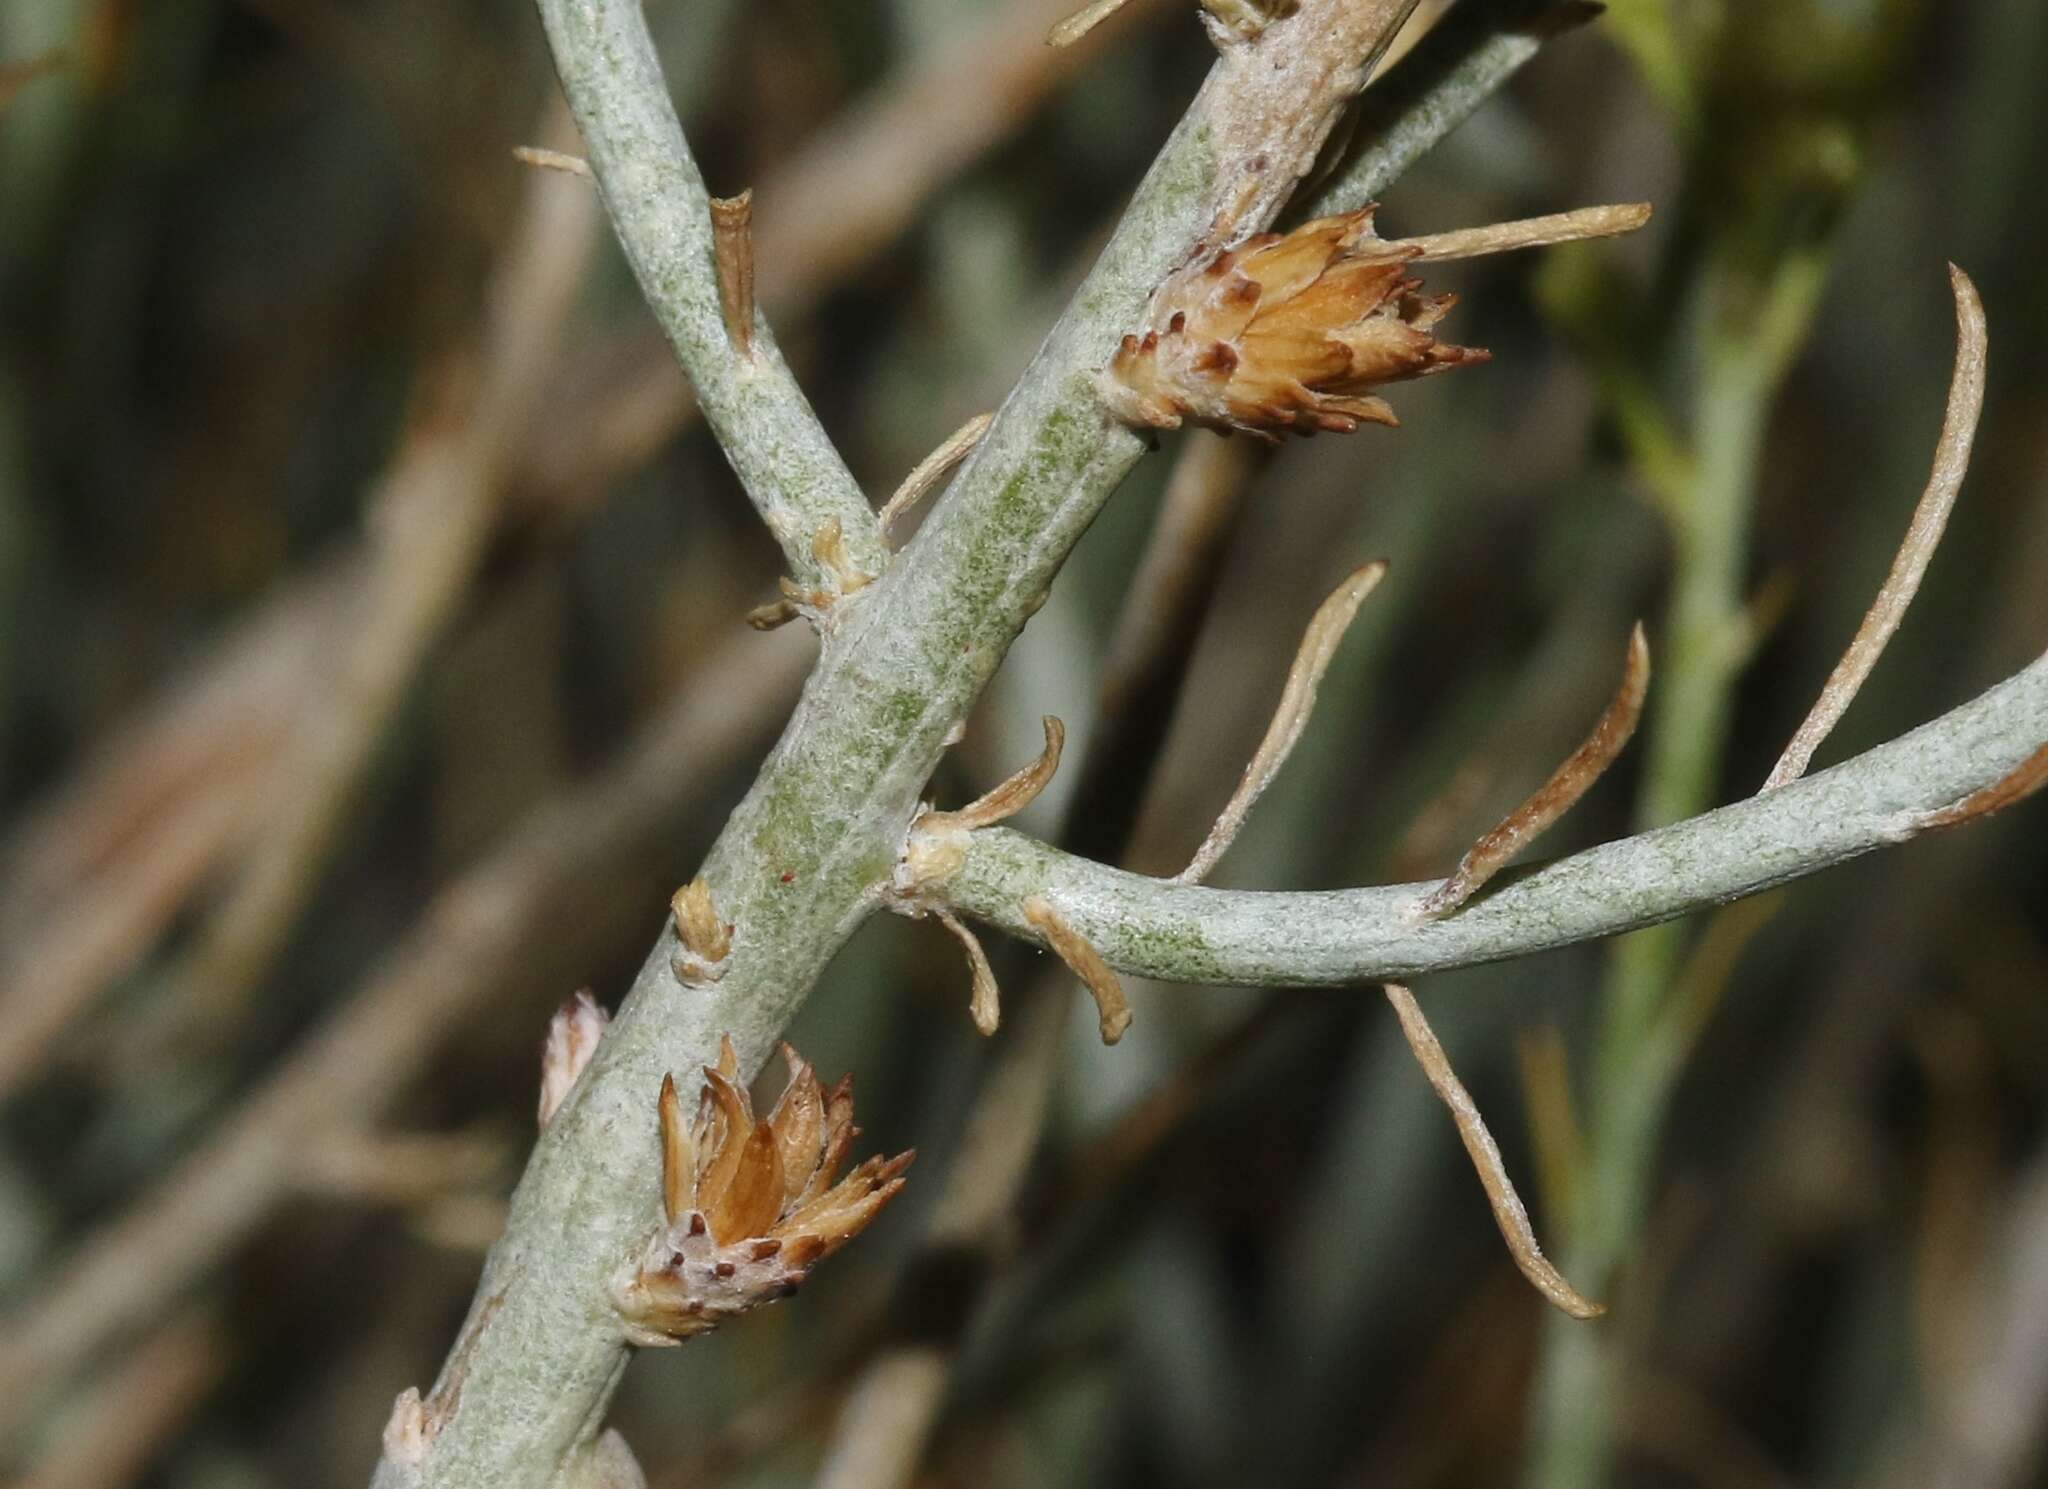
750, 1206
1284, 332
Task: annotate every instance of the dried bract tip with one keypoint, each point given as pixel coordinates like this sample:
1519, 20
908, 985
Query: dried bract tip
405, 1433
1283, 334
984, 1003
1242, 20
552, 160
1508, 1211
706, 939
749, 1206
1556, 796
828, 547
773, 616
1082, 21
1011, 795
1297, 702
2015, 786
573, 1034
1113, 1011
925, 478
732, 244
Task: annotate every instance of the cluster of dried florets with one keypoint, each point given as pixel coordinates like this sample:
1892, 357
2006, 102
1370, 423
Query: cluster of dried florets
1284, 333
751, 1206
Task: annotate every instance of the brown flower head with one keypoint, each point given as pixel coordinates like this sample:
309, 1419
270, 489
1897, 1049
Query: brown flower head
1284, 332
750, 1206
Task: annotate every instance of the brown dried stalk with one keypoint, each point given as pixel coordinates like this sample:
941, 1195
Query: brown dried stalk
2013, 787
1082, 21
1086, 963
1297, 703
732, 241
985, 1001
1508, 1210
1531, 232
1556, 796
920, 482
573, 1035
552, 160
1923, 535
1011, 796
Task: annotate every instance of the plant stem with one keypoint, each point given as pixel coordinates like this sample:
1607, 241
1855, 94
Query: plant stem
1338, 938
810, 851
1748, 339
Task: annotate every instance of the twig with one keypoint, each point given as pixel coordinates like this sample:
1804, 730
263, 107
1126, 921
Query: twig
1184, 933
1297, 703
1923, 535
942, 111
796, 862
662, 212
470, 944
926, 476
1508, 1211
1498, 847
1531, 232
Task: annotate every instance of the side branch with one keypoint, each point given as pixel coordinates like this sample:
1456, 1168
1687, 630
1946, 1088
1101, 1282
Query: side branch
663, 214
1155, 928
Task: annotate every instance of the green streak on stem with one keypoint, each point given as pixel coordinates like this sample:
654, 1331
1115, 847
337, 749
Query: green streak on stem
1748, 341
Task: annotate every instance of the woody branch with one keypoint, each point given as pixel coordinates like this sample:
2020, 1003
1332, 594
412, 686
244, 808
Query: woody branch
810, 851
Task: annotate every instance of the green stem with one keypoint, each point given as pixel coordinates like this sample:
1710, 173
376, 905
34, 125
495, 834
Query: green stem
1748, 339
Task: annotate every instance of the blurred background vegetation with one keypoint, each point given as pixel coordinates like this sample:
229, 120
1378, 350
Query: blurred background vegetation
371, 672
